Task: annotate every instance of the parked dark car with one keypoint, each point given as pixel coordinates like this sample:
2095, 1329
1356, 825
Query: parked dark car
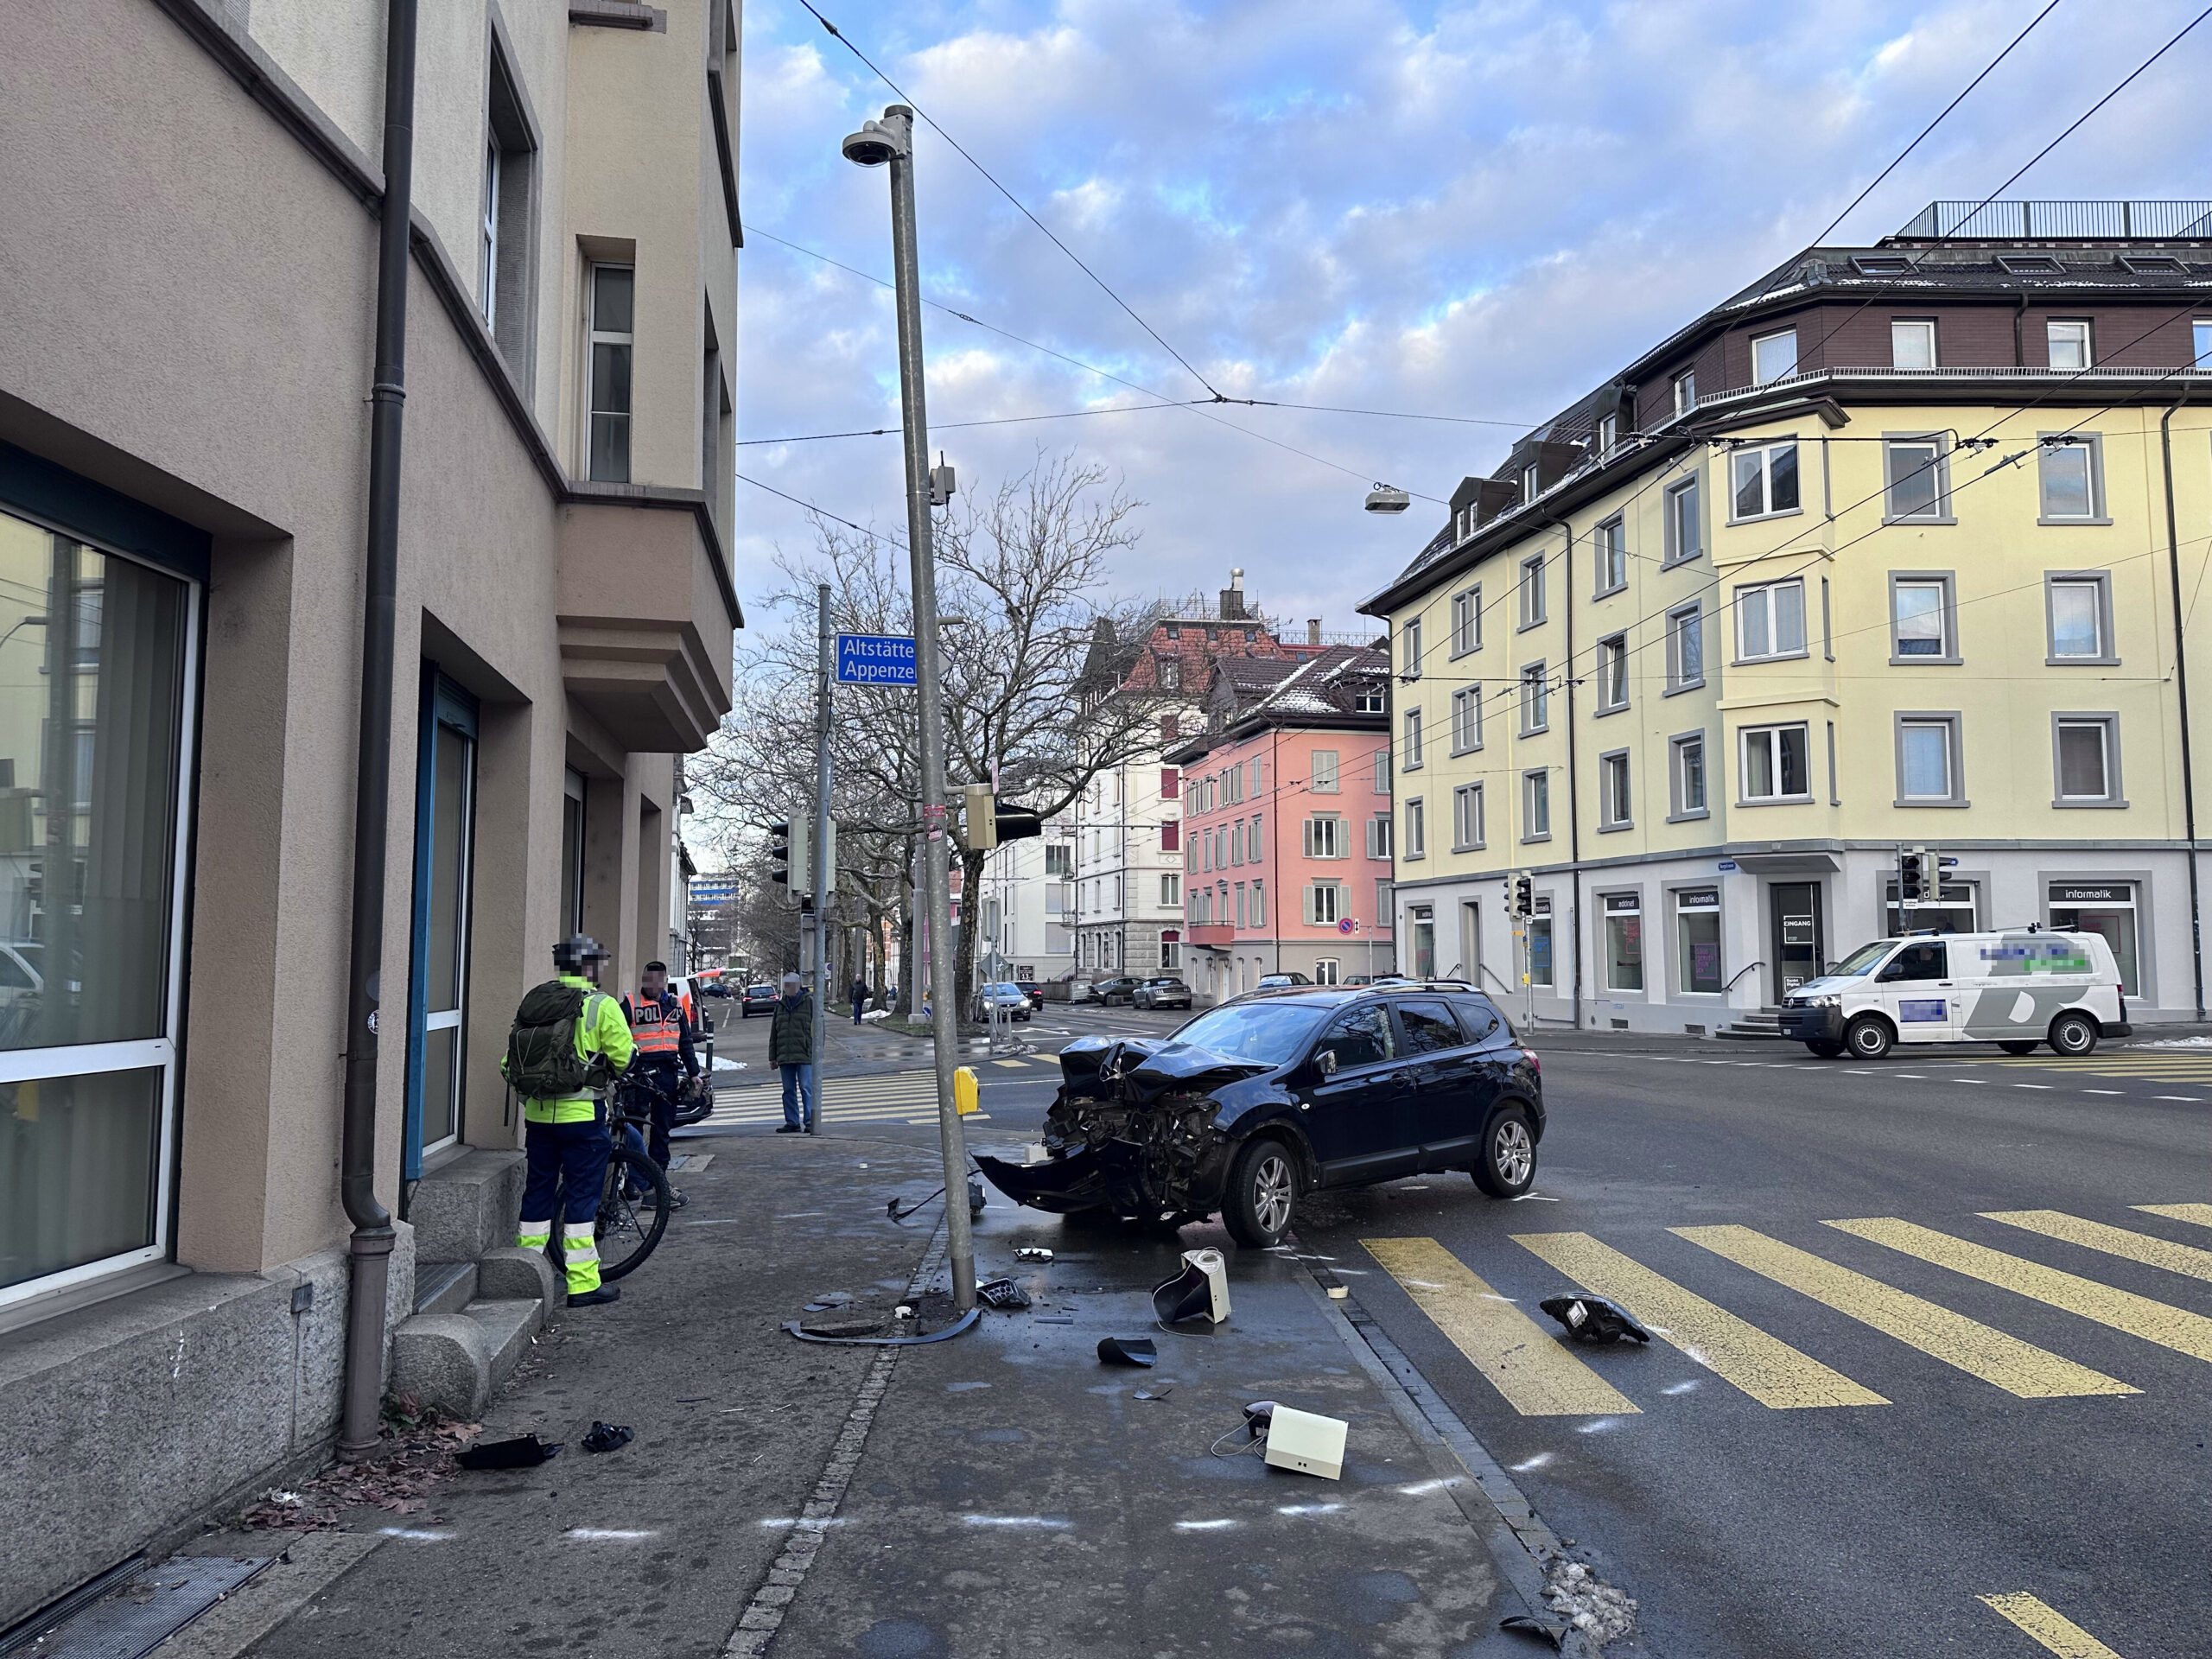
759, 999
1278, 982
1110, 991
1260, 1100
1169, 993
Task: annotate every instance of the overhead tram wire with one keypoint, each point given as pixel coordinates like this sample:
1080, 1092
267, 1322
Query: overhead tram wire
1200, 406
907, 98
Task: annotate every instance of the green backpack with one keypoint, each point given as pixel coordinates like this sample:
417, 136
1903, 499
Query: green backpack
542, 1059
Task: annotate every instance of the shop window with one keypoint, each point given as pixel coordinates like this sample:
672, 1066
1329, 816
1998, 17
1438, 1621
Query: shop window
1623, 942
2106, 909
1697, 934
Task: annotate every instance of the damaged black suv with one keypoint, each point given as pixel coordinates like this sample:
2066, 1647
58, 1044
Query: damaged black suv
1260, 1100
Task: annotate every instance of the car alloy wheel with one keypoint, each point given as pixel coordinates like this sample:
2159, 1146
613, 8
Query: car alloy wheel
1506, 1166
1515, 1153
1273, 1190
1868, 1039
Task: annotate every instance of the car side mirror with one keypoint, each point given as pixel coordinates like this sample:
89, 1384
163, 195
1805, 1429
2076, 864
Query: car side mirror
1325, 1062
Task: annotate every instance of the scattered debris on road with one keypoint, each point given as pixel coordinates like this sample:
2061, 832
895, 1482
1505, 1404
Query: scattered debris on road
1598, 1610
1032, 1253
1589, 1319
523, 1451
1544, 1629
1003, 1294
1158, 1393
609, 1437
1128, 1350
1199, 1292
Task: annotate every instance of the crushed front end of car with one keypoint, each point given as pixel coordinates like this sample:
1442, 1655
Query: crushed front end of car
1136, 1128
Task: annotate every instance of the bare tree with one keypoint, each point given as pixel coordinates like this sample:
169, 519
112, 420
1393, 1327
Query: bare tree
1030, 642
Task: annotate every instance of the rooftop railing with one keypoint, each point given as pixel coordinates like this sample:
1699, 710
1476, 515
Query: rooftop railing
2062, 220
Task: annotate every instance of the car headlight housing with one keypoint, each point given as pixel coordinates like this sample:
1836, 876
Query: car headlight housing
1824, 1002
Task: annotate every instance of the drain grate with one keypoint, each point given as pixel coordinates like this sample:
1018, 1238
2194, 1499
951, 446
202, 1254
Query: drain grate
149, 1608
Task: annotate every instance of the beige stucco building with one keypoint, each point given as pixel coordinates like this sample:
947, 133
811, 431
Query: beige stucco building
192, 193
1896, 548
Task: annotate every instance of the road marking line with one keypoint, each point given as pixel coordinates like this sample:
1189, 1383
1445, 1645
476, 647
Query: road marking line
2139, 1316
2032, 1085
2198, 1214
2049, 1627
1766, 1368
2101, 1091
2188, 1100
1537, 1375
1019, 1065
2018, 1368
2151, 1251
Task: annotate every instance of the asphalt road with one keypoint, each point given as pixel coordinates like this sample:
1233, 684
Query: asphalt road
1936, 1433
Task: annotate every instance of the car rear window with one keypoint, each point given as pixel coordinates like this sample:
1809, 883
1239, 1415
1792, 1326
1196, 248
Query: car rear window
1481, 1020
1429, 1028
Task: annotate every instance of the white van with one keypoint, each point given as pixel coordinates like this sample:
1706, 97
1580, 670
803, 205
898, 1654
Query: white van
2015, 989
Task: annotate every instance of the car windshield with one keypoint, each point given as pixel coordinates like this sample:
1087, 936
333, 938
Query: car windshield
1864, 960
1271, 1033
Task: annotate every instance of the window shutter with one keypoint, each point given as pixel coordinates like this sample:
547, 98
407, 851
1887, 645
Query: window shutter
1171, 836
1171, 783
1311, 898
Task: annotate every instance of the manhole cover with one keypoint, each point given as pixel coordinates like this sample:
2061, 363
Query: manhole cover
149, 1608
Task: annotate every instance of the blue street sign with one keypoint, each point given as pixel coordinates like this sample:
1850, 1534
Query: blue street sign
876, 659
1728, 864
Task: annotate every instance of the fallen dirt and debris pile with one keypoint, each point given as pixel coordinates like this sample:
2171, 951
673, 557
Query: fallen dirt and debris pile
414, 1457
1602, 1613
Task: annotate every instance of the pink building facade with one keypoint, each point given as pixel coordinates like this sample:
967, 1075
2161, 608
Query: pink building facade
1287, 831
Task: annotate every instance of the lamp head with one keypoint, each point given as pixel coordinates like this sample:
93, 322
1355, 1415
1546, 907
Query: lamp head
877, 142
1387, 497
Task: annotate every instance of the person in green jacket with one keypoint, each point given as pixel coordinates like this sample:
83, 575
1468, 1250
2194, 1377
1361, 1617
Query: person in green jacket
566, 1138
790, 1049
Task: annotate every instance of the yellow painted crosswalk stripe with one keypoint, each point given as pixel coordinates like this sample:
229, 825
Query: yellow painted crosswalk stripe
2151, 1251
2198, 1214
2051, 1628
2139, 1316
2018, 1368
1766, 1368
1522, 1361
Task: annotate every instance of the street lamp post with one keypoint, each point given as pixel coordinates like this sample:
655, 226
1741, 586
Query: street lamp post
891, 139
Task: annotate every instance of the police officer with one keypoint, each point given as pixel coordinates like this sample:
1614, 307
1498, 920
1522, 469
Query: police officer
660, 1030
566, 1136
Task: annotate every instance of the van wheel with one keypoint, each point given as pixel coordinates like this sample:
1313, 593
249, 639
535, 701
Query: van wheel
1868, 1037
1506, 1166
2073, 1033
2018, 1048
1825, 1051
1261, 1197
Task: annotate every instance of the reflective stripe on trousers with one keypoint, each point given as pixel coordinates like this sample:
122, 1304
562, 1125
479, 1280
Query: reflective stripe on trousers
580, 1255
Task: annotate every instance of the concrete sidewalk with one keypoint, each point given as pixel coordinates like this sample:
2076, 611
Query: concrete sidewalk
1001, 1493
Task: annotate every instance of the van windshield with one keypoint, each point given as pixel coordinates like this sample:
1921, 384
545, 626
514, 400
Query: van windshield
1864, 960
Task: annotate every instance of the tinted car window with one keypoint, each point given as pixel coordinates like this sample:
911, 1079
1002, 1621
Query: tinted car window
1360, 1035
1930, 960
1429, 1028
1481, 1020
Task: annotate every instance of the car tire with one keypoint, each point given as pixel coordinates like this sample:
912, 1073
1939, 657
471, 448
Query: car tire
1869, 1038
1825, 1051
1261, 1199
1506, 1167
2018, 1048
2073, 1033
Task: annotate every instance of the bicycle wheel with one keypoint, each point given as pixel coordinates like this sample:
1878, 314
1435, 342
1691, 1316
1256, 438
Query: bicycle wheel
629, 1227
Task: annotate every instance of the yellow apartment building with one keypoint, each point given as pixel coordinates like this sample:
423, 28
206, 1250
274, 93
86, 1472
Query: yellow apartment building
1900, 548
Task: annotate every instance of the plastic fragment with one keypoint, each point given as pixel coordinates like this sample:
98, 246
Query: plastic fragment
1591, 1319
1003, 1294
1543, 1629
1128, 1350
609, 1436
523, 1451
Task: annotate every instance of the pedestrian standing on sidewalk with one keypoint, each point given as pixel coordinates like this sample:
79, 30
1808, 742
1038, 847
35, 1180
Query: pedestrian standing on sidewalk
790, 1049
567, 1044
859, 997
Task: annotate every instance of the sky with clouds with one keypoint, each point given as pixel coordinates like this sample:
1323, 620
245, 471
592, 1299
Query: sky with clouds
1471, 210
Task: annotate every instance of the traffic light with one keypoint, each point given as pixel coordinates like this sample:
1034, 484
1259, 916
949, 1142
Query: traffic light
1914, 870
1524, 895
989, 823
789, 861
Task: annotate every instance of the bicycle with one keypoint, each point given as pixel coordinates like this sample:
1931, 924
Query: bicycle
629, 1225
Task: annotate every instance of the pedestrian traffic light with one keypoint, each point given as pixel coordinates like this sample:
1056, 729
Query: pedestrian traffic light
1913, 871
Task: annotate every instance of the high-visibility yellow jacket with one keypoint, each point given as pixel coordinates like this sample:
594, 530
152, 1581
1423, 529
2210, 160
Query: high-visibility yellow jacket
601, 1030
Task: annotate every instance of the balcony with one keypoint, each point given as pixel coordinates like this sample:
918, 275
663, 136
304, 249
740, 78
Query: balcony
1216, 935
647, 613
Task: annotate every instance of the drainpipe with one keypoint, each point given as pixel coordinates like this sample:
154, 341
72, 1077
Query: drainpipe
370, 1252
1275, 839
2181, 690
1573, 776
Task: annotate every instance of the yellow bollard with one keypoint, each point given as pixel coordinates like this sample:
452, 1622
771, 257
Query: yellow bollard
963, 1090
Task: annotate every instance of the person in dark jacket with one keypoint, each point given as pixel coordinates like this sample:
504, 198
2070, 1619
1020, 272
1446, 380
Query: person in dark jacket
660, 1033
859, 997
790, 1050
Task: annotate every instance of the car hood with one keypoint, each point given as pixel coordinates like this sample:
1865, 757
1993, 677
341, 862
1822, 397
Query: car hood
1829, 985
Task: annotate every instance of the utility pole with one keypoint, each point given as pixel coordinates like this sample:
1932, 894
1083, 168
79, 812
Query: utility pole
891, 140
823, 843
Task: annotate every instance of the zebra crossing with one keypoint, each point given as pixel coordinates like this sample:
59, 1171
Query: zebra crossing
1539, 1374
908, 1096
2174, 1068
